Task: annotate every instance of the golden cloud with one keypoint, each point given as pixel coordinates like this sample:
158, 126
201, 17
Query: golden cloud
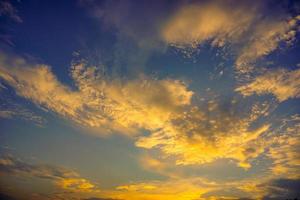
237, 24
97, 101
194, 24
285, 150
189, 134
265, 38
281, 83
185, 189
198, 138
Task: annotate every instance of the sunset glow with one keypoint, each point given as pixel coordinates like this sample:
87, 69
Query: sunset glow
149, 100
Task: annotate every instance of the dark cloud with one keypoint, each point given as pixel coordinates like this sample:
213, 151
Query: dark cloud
6, 197
283, 189
13, 166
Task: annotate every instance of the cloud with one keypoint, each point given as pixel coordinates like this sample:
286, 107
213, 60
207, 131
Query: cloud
121, 17
266, 38
38, 84
282, 189
215, 133
282, 83
61, 177
162, 107
184, 189
23, 114
8, 14
285, 150
98, 101
249, 30
13, 111
136, 187
8, 10
227, 193
202, 189
215, 21
134, 28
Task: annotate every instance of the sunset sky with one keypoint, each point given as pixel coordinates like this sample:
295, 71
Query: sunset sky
149, 100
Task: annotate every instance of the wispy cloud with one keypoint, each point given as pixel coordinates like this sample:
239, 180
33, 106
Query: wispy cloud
242, 26
8, 10
98, 101
282, 83
61, 177
15, 111
199, 188
285, 150
179, 128
215, 22
163, 107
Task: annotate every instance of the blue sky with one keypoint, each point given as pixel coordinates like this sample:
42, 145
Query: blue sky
149, 100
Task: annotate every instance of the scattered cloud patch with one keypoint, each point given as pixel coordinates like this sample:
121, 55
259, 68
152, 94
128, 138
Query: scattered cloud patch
163, 107
61, 177
245, 27
282, 83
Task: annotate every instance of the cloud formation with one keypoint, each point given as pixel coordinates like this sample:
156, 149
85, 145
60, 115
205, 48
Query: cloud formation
215, 22
216, 134
285, 150
8, 10
282, 83
163, 107
266, 37
179, 128
183, 189
241, 25
202, 189
16, 111
98, 101
61, 177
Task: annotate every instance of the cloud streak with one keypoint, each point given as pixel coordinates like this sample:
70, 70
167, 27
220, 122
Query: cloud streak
61, 177
282, 83
242, 26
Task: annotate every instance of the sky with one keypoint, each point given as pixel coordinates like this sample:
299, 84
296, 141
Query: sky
149, 100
